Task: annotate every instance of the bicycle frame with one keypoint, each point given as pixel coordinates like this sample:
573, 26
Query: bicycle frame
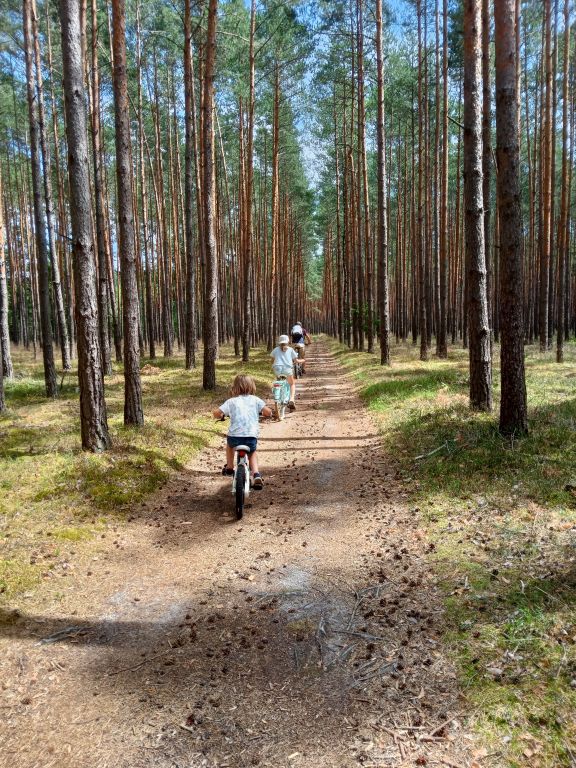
241, 457
281, 395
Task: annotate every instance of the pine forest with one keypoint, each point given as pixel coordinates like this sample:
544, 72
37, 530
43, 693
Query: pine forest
367, 208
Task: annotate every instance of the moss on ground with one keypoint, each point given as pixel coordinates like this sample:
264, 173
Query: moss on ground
502, 517
51, 490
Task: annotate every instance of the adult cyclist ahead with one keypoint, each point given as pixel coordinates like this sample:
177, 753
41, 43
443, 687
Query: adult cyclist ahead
300, 337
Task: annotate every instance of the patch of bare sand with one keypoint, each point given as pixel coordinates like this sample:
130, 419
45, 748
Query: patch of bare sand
307, 635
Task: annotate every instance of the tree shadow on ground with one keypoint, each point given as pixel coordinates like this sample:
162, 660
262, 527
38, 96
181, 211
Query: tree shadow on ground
258, 672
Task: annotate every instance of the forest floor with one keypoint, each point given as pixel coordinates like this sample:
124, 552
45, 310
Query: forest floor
311, 633
402, 592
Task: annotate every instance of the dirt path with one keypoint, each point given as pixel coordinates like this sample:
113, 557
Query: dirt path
307, 635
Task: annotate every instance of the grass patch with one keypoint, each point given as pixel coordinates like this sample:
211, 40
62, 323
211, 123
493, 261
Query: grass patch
502, 516
16, 577
51, 491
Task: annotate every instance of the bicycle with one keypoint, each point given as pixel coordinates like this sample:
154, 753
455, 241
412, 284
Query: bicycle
281, 397
241, 479
299, 363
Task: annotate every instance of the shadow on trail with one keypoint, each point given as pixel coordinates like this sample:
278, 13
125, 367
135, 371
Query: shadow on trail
260, 671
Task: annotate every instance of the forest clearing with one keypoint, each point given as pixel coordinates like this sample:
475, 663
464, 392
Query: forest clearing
198, 201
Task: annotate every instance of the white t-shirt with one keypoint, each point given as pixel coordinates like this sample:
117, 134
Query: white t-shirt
298, 329
285, 357
244, 411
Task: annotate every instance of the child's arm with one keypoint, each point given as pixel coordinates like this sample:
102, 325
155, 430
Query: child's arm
218, 414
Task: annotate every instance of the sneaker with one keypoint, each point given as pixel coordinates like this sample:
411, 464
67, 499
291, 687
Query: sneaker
291, 406
257, 482
226, 471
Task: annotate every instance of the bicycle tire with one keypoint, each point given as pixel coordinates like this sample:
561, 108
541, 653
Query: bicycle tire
277, 411
240, 490
296, 371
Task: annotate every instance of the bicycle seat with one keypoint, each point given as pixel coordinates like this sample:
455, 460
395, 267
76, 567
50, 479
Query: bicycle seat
242, 448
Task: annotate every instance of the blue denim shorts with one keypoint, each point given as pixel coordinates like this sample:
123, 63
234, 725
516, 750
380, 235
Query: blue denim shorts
250, 442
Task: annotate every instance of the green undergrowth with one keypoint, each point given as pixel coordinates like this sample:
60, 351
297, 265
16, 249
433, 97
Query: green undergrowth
54, 497
501, 515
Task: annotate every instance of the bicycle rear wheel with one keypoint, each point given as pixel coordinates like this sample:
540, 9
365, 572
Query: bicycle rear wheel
240, 490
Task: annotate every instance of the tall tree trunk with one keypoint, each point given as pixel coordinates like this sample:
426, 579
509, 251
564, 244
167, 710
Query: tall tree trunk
101, 241
478, 325
563, 225
144, 200
486, 148
274, 215
546, 181
442, 331
93, 422
211, 256
133, 413
420, 249
5, 357
247, 239
513, 404
382, 201
2, 398
50, 219
189, 159
39, 214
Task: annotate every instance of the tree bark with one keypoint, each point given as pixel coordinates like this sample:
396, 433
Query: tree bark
486, 149
420, 248
211, 257
546, 181
189, 157
478, 324
5, 357
133, 412
513, 405
563, 225
382, 222
442, 331
101, 241
47, 165
93, 421
39, 214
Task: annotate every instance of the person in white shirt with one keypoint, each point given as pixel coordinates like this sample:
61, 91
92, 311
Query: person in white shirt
300, 337
283, 356
299, 334
244, 409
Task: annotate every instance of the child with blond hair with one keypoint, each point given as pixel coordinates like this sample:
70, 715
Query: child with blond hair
244, 409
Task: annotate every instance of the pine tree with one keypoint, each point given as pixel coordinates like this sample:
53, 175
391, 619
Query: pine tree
93, 421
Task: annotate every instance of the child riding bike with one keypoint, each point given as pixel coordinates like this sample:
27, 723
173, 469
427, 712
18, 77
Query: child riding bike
243, 408
300, 338
283, 365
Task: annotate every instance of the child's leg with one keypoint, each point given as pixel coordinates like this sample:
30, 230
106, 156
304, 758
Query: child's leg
229, 456
253, 461
257, 482
292, 383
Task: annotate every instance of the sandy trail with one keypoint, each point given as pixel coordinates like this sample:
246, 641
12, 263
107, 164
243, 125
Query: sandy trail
308, 634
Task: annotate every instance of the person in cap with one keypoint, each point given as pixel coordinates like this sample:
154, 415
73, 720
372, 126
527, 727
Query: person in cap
283, 357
